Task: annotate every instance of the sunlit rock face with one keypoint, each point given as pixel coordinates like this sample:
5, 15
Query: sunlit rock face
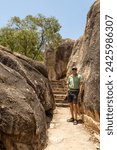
26, 102
86, 56
57, 60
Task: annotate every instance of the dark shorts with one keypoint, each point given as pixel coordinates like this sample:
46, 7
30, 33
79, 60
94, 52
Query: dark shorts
73, 96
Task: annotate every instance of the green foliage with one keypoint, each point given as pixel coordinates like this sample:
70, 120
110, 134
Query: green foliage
30, 36
7, 38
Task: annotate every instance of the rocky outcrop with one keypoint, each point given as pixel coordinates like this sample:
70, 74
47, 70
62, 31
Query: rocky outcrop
57, 60
26, 102
86, 56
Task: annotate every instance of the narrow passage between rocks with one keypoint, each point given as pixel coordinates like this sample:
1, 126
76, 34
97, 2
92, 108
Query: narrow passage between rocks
63, 135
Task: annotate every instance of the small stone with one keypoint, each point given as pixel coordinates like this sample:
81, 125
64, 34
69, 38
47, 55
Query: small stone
27, 90
97, 147
2, 106
56, 140
35, 82
52, 126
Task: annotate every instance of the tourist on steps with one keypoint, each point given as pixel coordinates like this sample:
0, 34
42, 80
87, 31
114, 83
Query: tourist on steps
74, 86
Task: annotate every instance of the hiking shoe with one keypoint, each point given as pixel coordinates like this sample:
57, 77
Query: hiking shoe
70, 120
75, 122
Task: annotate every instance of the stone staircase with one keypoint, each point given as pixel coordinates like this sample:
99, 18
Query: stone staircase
59, 88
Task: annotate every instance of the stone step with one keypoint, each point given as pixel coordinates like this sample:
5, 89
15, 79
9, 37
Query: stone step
62, 104
58, 87
60, 92
59, 100
59, 96
59, 83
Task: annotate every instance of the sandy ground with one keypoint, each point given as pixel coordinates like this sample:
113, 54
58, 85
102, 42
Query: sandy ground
63, 135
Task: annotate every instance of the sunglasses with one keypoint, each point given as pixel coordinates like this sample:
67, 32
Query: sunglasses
74, 69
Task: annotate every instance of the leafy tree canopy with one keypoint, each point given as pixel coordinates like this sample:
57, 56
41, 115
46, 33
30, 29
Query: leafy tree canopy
31, 35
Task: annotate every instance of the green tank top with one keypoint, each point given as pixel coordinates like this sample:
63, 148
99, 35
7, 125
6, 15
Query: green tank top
74, 81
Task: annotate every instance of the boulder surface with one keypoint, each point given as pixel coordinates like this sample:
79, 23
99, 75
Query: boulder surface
26, 102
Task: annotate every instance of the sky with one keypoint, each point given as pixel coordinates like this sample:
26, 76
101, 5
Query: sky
71, 14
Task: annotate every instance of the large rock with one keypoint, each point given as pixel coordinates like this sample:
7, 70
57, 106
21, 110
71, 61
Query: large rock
86, 56
26, 101
57, 60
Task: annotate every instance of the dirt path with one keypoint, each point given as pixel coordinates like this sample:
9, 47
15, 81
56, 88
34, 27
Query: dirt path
66, 136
